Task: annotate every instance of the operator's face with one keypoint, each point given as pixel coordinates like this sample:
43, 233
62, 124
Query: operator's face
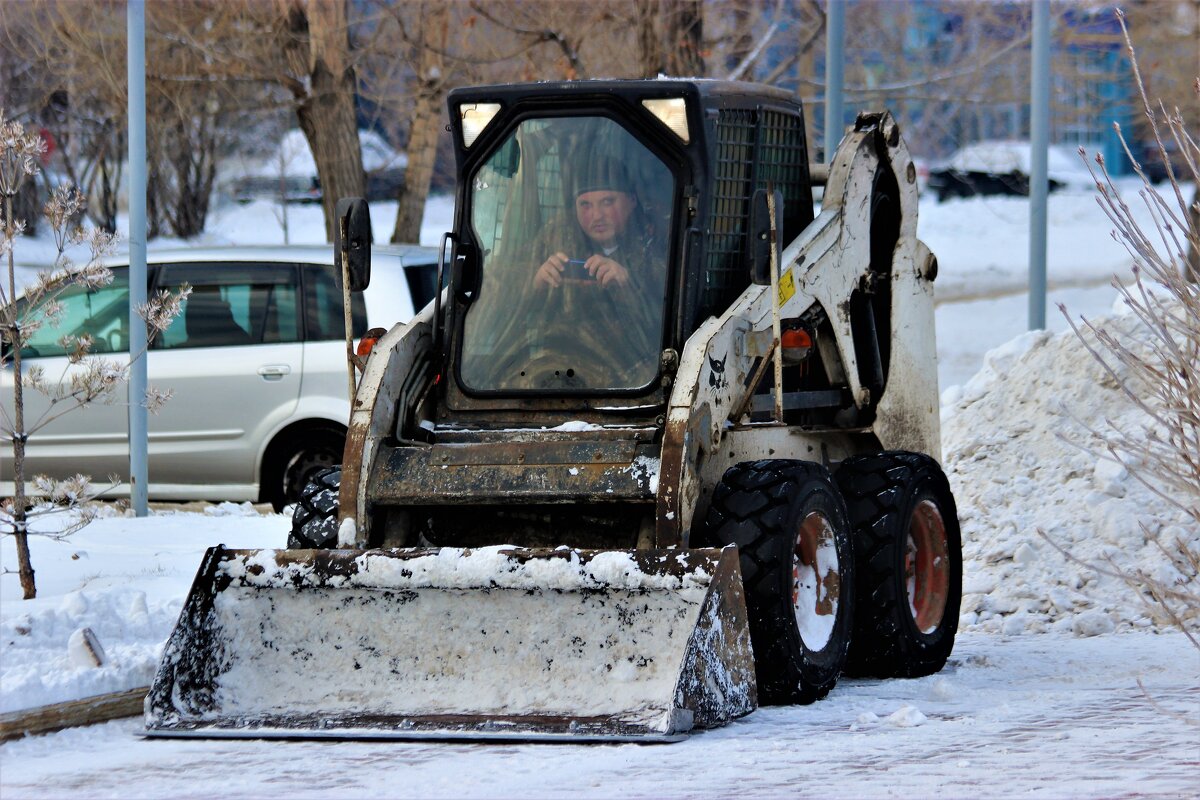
602, 214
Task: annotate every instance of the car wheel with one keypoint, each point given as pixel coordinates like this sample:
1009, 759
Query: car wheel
291, 466
908, 564
793, 537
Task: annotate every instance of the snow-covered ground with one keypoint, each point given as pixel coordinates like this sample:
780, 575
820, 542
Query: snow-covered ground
1025, 716
1041, 696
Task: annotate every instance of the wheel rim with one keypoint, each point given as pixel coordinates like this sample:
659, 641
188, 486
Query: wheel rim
816, 581
927, 566
301, 467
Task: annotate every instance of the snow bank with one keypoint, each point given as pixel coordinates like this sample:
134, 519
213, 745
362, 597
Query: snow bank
125, 579
1007, 441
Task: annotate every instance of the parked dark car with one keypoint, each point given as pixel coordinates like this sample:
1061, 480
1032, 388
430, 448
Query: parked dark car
294, 189
1154, 165
384, 184
1002, 168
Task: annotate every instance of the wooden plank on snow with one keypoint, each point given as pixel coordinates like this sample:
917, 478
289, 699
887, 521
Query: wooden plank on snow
73, 713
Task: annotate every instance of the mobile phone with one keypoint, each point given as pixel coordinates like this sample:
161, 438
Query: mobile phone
574, 270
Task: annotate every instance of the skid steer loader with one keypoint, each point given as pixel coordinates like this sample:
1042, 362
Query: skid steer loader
664, 448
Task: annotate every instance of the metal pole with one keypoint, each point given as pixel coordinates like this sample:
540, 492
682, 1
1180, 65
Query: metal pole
835, 34
776, 323
1039, 102
137, 253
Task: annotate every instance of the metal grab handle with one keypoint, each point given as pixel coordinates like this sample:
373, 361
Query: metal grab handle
274, 372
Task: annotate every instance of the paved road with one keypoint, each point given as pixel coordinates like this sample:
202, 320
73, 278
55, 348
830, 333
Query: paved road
1037, 715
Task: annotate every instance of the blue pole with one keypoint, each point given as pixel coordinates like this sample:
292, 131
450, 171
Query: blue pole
1038, 179
136, 66
835, 35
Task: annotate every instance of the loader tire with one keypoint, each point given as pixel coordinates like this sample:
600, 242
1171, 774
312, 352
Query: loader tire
788, 520
314, 523
908, 561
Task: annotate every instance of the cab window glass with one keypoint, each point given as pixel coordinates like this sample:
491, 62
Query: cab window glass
323, 316
573, 217
102, 314
232, 304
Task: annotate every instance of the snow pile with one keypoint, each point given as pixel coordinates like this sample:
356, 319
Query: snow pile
42, 660
122, 578
1007, 444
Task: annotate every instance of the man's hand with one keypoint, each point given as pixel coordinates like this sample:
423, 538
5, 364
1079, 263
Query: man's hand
606, 271
549, 274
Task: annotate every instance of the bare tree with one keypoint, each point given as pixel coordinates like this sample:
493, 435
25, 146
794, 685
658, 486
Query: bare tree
683, 36
954, 72
432, 36
316, 45
77, 88
98, 378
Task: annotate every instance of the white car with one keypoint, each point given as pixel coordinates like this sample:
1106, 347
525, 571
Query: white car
256, 362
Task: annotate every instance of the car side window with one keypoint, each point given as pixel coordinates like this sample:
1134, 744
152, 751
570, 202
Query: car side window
422, 283
232, 304
55, 325
323, 316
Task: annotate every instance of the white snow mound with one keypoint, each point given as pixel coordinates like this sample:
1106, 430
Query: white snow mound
1011, 445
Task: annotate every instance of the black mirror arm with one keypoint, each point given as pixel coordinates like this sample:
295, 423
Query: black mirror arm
438, 327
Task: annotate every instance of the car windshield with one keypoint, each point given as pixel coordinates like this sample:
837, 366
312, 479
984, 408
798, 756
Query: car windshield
573, 217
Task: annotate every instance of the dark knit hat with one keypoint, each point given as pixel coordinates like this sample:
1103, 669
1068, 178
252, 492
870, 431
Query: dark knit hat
603, 174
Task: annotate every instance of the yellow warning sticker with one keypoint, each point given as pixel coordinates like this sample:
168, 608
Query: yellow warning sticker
787, 287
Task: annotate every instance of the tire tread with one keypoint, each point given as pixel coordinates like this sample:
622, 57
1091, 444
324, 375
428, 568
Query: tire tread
749, 508
878, 489
314, 522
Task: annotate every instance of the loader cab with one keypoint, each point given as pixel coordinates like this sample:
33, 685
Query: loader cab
538, 309
571, 217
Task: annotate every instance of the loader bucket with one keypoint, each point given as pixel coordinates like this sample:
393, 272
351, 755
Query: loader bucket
491, 643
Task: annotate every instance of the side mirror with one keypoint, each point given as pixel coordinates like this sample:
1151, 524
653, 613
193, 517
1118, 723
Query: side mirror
352, 236
759, 240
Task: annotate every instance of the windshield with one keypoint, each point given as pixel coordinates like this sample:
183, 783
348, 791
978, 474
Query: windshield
573, 217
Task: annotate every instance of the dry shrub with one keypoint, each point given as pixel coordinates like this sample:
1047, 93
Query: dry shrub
1160, 372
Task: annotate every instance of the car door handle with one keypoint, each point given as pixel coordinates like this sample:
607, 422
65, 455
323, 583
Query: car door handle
274, 372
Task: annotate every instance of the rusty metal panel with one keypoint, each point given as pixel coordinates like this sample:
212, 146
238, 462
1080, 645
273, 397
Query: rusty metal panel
535, 453
515, 473
373, 412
